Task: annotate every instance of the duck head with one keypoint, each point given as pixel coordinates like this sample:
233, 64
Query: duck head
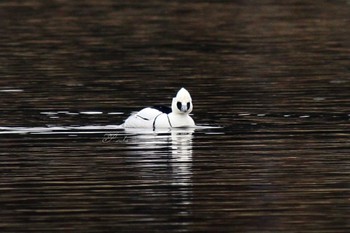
182, 103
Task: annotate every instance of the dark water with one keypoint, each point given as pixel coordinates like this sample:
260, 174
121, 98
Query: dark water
274, 75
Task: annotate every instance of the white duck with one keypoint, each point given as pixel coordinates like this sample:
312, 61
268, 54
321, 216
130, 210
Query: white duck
164, 117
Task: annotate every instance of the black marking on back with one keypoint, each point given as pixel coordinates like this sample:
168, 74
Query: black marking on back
143, 118
162, 108
154, 122
169, 122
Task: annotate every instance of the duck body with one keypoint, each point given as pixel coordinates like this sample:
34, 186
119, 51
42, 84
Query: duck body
164, 117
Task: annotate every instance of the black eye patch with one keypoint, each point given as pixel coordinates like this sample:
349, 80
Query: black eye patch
188, 105
178, 104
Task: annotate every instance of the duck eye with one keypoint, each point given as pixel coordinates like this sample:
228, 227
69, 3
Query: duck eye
188, 105
178, 104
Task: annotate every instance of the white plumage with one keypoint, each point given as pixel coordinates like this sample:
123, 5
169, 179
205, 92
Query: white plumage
164, 117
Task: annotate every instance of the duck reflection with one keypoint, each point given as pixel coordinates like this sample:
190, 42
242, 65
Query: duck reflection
163, 157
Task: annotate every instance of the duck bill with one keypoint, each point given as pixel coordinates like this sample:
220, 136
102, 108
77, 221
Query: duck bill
184, 108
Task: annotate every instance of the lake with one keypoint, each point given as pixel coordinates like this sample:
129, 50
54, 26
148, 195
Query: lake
270, 85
